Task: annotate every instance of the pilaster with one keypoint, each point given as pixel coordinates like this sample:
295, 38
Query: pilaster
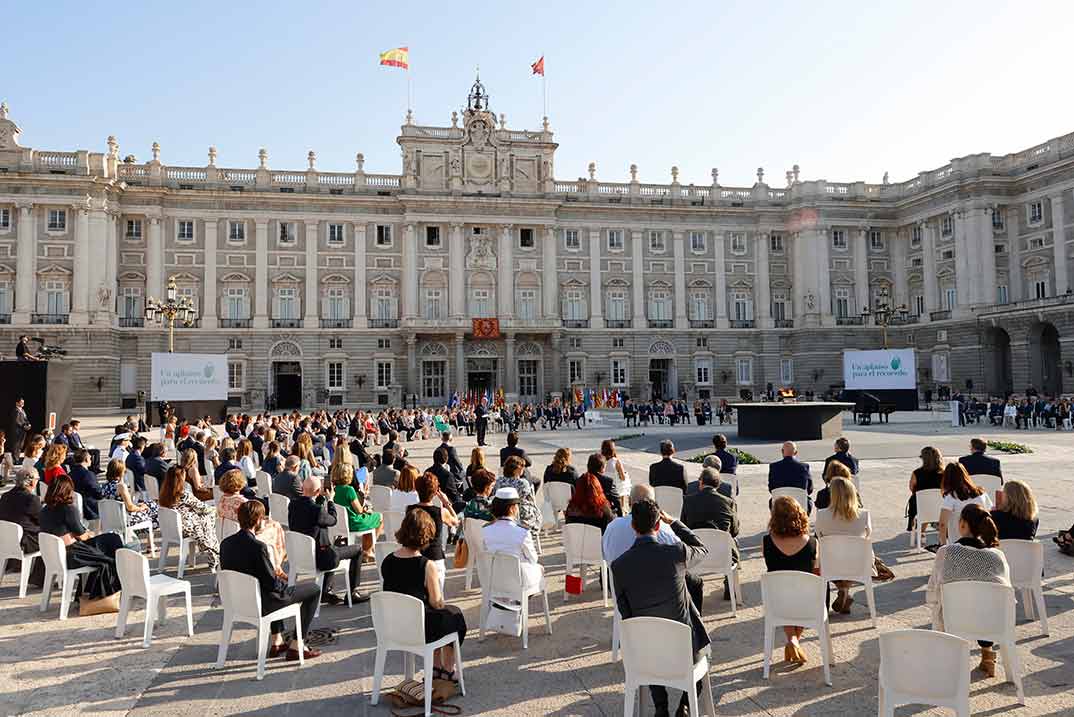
80, 279
596, 314
261, 283
457, 278
637, 283
678, 250
505, 283
361, 312
312, 283
763, 311
212, 295
410, 272
549, 275
719, 279
1059, 246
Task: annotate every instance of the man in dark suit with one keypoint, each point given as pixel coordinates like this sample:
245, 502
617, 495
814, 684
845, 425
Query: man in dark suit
842, 454
453, 462
227, 463
709, 508
155, 464
244, 553
977, 463
651, 581
257, 442
357, 449
193, 442
286, 482
451, 487
791, 473
728, 460
595, 467
312, 514
21, 424
481, 418
135, 462
667, 472
85, 484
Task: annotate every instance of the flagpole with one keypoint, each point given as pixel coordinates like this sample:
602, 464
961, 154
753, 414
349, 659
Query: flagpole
409, 91
544, 89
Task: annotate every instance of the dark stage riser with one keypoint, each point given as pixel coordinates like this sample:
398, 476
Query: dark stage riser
791, 421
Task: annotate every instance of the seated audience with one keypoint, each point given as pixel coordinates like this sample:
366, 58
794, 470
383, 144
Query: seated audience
406, 491
477, 462
710, 508
386, 474
728, 460
54, 460
115, 488
529, 514
228, 462
198, 520
588, 504
136, 462
833, 469
619, 535
958, 492
188, 461
1015, 515
667, 472
22, 506
977, 463
479, 506
155, 463
409, 572
788, 546
270, 532
507, 535
791, 473
246, 553
842, 455
975, 555
312, 514
244, 454
433, 501
928, 476
34, 454
613, 468
360, 516
60, 517
842, 517
273, 463
595, 467
287, 482
86, 485
560, 469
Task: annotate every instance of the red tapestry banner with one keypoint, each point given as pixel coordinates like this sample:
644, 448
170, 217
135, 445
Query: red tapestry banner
486, 328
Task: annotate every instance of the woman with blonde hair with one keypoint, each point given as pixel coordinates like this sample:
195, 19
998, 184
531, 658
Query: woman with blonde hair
834, 469
1015, 515
360, 516
843, 517
614, 467
55, 455
188, 461
560, 469
477, 463
244, 453
307, 461
114, 488
212, 451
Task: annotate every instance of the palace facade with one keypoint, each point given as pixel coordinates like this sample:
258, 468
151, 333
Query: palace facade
359, 288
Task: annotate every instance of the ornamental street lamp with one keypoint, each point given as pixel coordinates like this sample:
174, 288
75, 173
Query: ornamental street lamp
884, 313
170, 311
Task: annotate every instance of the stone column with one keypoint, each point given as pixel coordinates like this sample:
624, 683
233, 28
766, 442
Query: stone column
720, 279
510, 384
677, 242
861, 269
986, 257
505, 282
899, 252
457, 276
637, 283
410, 272
312, 284
460, 363
967, 279
25, 264
596, 309
549, 275
557, 381
80, 279
1059, 246
154, 259
763, 311
261, 282
931, 284
361, 313
822, 273
212, 296
111, 262
411, 365
1014, 253
98, 231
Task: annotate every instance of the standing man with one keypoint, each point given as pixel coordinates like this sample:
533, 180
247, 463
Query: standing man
22, 426
481, 415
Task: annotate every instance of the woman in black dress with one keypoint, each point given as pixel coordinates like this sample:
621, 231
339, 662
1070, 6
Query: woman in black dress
437, 506
1015, 515
560, 469
409, 572
788, 546
927, 477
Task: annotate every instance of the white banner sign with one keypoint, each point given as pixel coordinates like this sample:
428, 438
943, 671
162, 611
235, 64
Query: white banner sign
189, 377
886, 369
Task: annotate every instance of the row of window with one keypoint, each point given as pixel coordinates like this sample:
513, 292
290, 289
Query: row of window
703, 371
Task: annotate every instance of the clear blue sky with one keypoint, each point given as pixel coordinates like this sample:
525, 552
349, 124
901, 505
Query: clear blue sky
847, 90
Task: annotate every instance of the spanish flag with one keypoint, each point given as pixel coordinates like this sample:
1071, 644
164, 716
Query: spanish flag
538, 67
399, 57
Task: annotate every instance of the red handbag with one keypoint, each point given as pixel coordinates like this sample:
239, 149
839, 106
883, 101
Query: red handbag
574, 584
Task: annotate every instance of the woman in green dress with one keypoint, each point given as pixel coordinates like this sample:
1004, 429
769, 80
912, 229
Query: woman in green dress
359, 517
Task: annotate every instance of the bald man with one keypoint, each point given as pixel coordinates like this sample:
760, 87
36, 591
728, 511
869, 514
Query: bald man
790, 473
312, 514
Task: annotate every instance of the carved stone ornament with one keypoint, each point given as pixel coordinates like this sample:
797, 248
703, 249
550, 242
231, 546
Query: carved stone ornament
479, 134
104, 295
481, 255
661, 347
9, 131
810, 301
285, 349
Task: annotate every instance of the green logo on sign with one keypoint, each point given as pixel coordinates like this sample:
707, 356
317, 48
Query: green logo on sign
895, 363
208, 370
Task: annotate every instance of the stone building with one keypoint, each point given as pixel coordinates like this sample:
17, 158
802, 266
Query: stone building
345, 288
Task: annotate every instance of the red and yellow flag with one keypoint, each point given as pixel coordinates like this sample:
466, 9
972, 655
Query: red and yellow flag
538, 67
398, 57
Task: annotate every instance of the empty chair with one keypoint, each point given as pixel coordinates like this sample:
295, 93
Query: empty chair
669, 499
720, 561
171, 533
505, 583
241, 599
1026, 561
207, 464
169, 449
128, 479
133, 569
11, 549
990, 484
381, 497
617, 619
929, 504
658, 651
984, 611
227, 528
278, 507
302, 560
399, 623
582, 548
924, 667
54, 553
114, 519
383, 549
264, 483
792, 597
558, 495
392, 520
798, 494
152, 487
475, 544
849, 557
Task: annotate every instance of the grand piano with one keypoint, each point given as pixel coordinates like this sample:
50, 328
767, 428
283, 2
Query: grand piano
868, 404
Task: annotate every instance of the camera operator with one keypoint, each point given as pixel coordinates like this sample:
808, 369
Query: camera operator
22, 350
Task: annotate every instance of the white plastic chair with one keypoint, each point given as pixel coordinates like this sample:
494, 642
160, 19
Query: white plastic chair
227, 528
54, 553
849, 557
210, 471
399, 623
669, 499
342, 529
558, 496
383, 549
128, 479
798, 494
169, 449
929, 505
264, 483
11, 549
792, 597
984, 611
720, 561
392, 521
989, 483
582, 548
505, 583
924, 667
133, 569
381, 496
475, 544
278, 507
152, 487
302, 560
171, 533
658, 651
241, 599
114, 519
1026, 561
42, 487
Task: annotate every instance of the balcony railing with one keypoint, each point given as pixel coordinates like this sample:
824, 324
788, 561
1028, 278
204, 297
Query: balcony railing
336, 323
661, 323
384, 323
576, 323
131, 322
286, 323
617, 324
940, 315
236, 323
54, 319
908, 319
1047, 301
742, 323
5, 318
784, 323
849, 321
702, 324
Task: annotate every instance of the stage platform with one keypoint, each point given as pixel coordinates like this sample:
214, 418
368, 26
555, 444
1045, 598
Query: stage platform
791, 421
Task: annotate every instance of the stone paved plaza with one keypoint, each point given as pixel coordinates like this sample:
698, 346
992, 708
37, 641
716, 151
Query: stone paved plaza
48, 667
